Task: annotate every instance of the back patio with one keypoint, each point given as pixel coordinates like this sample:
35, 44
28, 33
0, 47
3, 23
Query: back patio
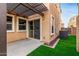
22, 47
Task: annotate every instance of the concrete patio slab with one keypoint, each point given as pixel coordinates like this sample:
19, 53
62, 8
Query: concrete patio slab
22, 47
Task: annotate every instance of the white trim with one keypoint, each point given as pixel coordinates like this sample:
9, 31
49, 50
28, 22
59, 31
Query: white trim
41, 28
12, 23
55, 43
34, 18
27, 28
54, 26
33, 38
52, 33
18, 24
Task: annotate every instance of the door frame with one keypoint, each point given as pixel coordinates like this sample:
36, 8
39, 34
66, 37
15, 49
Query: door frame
31, 19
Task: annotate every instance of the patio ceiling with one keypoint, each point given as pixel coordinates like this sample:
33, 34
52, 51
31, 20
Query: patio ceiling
26, 9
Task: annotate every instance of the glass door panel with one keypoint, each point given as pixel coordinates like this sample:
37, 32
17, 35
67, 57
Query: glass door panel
37, 29
31, 29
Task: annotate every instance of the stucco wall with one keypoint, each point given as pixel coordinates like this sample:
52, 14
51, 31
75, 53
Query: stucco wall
46, 22
54, 10
16, 35
46, 26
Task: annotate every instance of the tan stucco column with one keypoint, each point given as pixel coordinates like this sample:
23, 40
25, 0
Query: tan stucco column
77, 31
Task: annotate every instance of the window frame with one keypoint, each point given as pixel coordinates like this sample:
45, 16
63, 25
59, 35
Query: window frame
18, 24
12, 23
52, 24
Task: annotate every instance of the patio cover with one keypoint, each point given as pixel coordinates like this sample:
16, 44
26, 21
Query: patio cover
26, 9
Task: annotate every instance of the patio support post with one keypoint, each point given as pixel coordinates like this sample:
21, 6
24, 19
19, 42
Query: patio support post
77, 31
3, 29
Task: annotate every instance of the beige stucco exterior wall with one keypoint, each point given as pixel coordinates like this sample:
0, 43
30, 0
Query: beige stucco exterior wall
54, 9
46, 22
46, 26
13, 36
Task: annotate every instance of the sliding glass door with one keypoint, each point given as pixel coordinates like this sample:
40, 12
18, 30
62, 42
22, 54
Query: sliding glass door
34, 29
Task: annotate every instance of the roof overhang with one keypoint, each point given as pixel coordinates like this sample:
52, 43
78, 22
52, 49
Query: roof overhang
26, 9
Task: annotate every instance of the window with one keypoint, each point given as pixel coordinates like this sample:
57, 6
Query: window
52, 25
22, 24
9, 23
52, 30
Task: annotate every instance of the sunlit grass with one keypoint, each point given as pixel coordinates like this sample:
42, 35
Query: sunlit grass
65, 47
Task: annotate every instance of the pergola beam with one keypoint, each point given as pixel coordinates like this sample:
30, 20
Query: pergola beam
24, 12
34, 10
15, 7
37, 5
28, 10
11, 12
18, 15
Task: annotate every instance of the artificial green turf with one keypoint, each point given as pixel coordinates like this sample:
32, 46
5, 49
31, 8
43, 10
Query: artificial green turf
65, 47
